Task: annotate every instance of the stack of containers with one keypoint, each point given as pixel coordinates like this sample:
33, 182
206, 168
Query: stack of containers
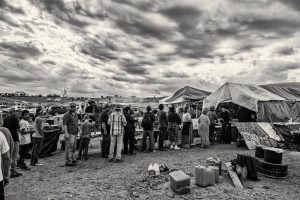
269, 162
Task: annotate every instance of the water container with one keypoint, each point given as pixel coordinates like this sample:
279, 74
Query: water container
151, 170
156, 169
180, 182
216, 170
204, 176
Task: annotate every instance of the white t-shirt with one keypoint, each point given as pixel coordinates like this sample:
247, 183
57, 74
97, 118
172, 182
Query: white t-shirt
24, 139
3, 149
186, 117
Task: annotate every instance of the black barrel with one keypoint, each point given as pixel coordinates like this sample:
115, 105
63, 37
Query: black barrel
259, 152
272, 156
296, 137
272, 170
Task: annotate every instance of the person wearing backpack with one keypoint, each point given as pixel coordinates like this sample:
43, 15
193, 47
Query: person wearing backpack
147, 124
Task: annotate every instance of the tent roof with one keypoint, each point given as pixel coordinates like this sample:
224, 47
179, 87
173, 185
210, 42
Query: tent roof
289, 91
240, 94
187, 94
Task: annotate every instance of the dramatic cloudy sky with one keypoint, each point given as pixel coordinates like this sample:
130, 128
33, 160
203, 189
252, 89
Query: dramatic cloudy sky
146, 47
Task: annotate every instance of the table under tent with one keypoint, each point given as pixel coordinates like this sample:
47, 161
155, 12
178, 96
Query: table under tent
271, 104
187, 95
192, 97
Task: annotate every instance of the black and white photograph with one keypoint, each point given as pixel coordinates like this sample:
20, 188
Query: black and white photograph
149, 99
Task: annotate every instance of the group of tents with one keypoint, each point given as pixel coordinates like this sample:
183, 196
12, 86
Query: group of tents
272, 103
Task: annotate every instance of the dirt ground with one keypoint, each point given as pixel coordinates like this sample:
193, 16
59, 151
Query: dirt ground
99, 179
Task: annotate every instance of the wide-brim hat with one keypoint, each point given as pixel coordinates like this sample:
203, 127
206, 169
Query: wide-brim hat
118, 107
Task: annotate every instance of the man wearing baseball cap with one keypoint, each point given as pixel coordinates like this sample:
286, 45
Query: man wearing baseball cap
71, 129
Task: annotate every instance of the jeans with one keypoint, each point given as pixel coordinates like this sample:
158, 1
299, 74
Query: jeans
84, 146
36, 149
2, 197
128, 137
15, 155
105, 145
23, 152
70, 147
162, 136
113, 140
151, 138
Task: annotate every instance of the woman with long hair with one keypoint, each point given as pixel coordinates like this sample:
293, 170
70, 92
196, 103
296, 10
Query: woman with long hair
204, 128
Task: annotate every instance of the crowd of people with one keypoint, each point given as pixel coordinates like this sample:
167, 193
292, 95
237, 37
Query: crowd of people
117, 126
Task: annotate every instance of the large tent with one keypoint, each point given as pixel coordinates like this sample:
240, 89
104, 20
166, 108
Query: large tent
186, 94
270, 106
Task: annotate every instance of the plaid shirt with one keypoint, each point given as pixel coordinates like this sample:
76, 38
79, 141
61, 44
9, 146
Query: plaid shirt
117, 121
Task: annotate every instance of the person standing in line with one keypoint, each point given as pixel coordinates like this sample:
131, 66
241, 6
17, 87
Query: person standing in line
117, 123
162, 125
24, 140
204, 128
213, 120
86, 130
11, 122
37, 138
9, 139
129, 131
147, 124
173, 126
226, 126
71, 129
186, 127
5, 163
105, 130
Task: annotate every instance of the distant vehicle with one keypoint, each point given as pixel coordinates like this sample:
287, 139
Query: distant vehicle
57, 99
57, 110
4, 108
3, 103
49, 99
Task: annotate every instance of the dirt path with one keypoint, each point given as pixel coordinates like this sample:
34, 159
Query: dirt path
99, 179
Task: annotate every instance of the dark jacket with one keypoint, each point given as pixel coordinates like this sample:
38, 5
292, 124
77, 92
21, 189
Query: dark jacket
152, 119
129, 128
174, 117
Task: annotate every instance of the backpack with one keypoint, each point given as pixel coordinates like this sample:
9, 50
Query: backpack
147, 123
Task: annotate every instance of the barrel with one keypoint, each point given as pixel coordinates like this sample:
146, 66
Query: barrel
296, 135
259, 152
272, 170
273, 155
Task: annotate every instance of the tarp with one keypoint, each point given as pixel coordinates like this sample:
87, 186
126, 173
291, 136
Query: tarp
278, 111
50, 142
186, 94
256, 134
287, 91
240, 94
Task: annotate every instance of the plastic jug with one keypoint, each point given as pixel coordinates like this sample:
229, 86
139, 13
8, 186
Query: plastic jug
151, 170
156, 169
204, 176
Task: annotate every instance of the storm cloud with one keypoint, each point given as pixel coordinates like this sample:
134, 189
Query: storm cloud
129, 47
